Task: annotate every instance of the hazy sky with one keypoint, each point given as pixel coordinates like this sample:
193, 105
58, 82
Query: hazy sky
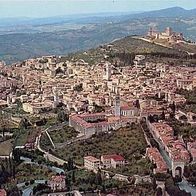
45, 8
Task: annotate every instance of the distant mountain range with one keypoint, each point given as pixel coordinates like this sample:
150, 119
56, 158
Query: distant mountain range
169, 12
23, 38
99, 17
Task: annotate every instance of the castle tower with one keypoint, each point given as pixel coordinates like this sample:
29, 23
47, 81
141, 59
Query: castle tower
168, 31
150, 32
108, 71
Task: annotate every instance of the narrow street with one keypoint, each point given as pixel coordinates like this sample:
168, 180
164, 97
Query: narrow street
165, 155
184, 185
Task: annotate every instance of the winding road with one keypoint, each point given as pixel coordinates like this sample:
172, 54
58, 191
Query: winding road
48, 155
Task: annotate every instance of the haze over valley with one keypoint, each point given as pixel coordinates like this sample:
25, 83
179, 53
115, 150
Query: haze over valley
23, 38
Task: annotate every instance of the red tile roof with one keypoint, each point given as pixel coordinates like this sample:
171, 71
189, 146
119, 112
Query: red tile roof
3, 192
91, 158
58, 179
114, 157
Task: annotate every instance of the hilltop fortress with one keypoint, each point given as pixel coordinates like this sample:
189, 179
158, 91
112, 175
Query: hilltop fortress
168, 35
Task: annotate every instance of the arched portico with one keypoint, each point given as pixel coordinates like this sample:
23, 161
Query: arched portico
177, 169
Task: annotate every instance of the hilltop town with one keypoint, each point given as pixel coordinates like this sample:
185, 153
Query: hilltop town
111, 123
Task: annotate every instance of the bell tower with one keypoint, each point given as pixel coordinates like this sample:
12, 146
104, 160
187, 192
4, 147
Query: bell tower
117, 104
108, 71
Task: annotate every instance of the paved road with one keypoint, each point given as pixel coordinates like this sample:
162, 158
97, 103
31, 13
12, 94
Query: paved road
52, 168
144, 39
184, 185
29, 190
165, 155
49, 156
50, 139
163, 152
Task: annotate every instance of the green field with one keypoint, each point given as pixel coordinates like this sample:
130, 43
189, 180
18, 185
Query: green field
64, 134
24, 135
26, 172
134, 45
129, 142
83, 180
45, 142
190, 96
21, 138
6, 147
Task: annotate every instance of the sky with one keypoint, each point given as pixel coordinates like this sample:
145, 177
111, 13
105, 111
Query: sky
48, 8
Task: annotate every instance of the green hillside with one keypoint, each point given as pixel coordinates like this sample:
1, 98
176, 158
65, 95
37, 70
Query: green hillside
124, 50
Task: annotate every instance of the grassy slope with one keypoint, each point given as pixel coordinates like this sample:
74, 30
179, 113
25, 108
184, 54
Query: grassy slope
125, 45
6, 148
129, 142
134, 45
60, 136
26, 172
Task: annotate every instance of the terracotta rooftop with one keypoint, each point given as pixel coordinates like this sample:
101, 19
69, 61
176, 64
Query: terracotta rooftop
114, 157
3, 192
58, 179
91, 158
